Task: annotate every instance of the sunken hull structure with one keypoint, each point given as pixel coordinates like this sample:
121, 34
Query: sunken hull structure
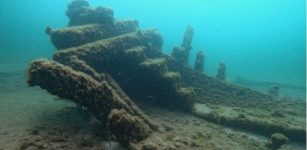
110, 67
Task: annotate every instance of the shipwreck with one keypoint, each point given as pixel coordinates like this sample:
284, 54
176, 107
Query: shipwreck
109, 66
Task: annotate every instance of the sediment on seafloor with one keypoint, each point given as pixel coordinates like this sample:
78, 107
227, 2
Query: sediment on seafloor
258, 126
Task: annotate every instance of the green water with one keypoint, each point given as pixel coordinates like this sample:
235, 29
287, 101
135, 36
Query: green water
262, 41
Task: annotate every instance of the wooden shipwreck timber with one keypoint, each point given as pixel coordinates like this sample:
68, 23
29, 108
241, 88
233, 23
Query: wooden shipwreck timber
109, 66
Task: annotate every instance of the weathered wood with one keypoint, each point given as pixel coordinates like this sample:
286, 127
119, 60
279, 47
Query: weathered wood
82, 34
199, 61
98, 97
126, 59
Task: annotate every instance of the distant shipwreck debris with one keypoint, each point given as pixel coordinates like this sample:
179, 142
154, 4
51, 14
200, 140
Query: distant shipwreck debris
274, 91
199, 61
108, 65
221, 71
182, 53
